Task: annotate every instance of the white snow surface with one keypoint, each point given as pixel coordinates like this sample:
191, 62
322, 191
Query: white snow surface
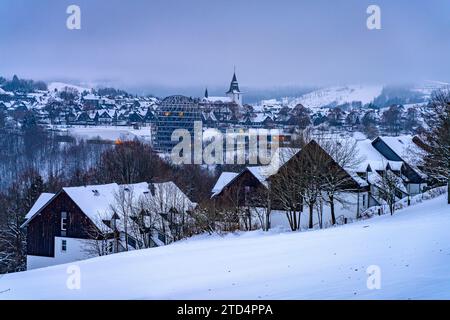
338, 95
110, 133
428, 87
412, 249
2, 91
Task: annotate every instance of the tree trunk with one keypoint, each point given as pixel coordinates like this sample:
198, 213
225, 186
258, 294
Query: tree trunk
269, 209
448, 191
333, 216
392, 206
311, 209
295, 220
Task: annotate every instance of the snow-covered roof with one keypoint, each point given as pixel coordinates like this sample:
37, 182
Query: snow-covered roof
223, 180
405, 148
376, 179
261, 173
91, 96
3, 92
97, 201
373, 158
260, 117
43, 199
360, 181
94, 201
219, 99
271, 102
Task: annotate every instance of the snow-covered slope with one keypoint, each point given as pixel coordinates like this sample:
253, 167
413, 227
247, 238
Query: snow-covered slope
412, 248
59, 86
338, 95
428, 87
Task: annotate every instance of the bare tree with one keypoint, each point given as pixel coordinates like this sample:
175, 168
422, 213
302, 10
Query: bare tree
230, 210
389, 186
166, 209
288, 189
143, 214
318, 174
337, 178
130, 162
437, 161
125, 208
263, 206
103, 239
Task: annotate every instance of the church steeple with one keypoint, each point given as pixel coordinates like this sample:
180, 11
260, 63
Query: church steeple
234, 85
234, 93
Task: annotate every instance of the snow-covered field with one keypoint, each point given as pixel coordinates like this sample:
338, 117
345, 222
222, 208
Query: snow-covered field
338, 95
60, 86
110, 133
412, 249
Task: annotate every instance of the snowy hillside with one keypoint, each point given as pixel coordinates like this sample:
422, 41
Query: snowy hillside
412, 248
59, 86
428, 87
109, 133
338, 95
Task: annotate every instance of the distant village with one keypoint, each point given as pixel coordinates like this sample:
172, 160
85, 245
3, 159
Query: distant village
63, 105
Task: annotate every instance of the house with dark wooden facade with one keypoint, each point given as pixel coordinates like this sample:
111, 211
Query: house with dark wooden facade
82, 222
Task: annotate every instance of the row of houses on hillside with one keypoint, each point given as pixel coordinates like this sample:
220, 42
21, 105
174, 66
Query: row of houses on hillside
363, 182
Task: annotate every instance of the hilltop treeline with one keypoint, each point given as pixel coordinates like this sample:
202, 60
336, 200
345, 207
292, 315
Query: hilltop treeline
22, 85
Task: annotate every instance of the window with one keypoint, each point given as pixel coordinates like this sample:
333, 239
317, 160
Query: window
132, 242
63, 221
364, 200
162, 237
110, 247
64, 245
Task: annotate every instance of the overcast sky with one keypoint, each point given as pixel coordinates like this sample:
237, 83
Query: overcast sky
184, 43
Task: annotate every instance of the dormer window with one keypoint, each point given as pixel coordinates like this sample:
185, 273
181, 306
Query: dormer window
95, 192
